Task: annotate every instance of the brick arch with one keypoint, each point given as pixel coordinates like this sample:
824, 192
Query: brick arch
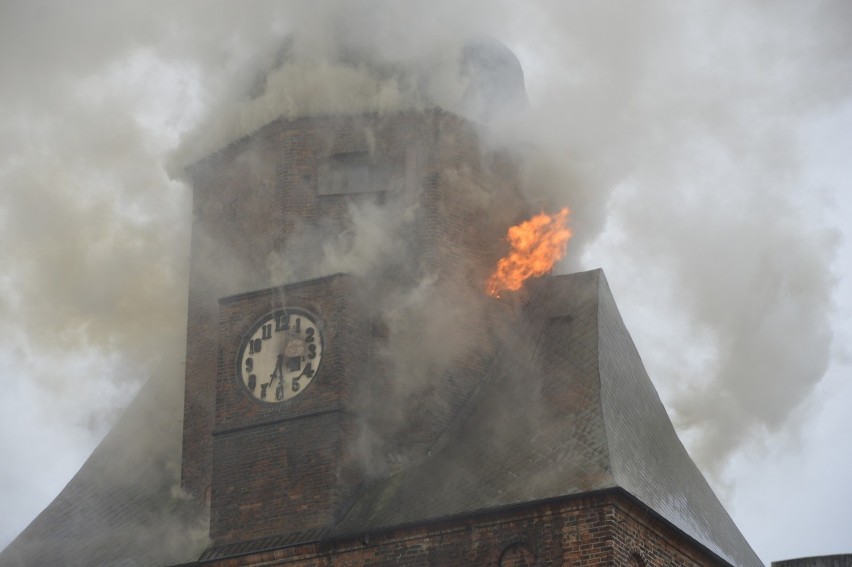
517, 554
636, 558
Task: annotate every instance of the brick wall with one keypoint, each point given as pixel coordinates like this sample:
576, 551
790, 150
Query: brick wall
606, 528
640, 538
227, 252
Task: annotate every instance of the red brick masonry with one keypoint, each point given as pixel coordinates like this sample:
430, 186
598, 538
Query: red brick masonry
603, 528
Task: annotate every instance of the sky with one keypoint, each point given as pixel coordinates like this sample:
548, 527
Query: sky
702, 148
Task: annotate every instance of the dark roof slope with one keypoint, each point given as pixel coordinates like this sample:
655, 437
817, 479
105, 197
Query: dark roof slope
568, 409
123, 508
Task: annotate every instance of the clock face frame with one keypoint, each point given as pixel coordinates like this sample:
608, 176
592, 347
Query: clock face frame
280, 356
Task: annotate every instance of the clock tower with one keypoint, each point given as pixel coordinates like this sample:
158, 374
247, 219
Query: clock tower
288, 368
284, 423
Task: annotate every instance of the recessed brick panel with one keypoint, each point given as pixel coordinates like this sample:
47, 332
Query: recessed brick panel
278, 478
346, 334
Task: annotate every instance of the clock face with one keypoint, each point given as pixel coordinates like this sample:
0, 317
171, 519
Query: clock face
280, 356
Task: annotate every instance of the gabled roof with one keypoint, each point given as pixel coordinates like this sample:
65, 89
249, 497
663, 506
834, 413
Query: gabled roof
566, 408
579, 415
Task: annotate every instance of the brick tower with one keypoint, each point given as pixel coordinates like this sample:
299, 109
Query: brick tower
250, 201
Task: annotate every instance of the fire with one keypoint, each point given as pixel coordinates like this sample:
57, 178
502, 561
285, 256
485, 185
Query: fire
537, 244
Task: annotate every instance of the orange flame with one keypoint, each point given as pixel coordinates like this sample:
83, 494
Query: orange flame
536, 244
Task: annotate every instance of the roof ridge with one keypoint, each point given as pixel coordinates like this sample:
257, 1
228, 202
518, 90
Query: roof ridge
600, 280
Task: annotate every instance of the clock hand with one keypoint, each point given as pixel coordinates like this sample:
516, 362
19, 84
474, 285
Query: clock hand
279, 371
279, 374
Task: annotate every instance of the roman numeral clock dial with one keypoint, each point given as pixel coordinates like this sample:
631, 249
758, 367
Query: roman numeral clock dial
280, 356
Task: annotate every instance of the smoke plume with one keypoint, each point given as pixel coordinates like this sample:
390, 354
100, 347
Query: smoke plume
670, 130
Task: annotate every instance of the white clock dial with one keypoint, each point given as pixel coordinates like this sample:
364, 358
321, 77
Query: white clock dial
281, 355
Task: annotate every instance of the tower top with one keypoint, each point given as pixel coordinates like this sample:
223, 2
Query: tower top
480, 80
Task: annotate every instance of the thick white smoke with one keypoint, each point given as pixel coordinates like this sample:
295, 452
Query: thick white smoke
670, 129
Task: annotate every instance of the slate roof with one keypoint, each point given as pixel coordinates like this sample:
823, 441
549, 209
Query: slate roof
580, 415
567, 409
121, 508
